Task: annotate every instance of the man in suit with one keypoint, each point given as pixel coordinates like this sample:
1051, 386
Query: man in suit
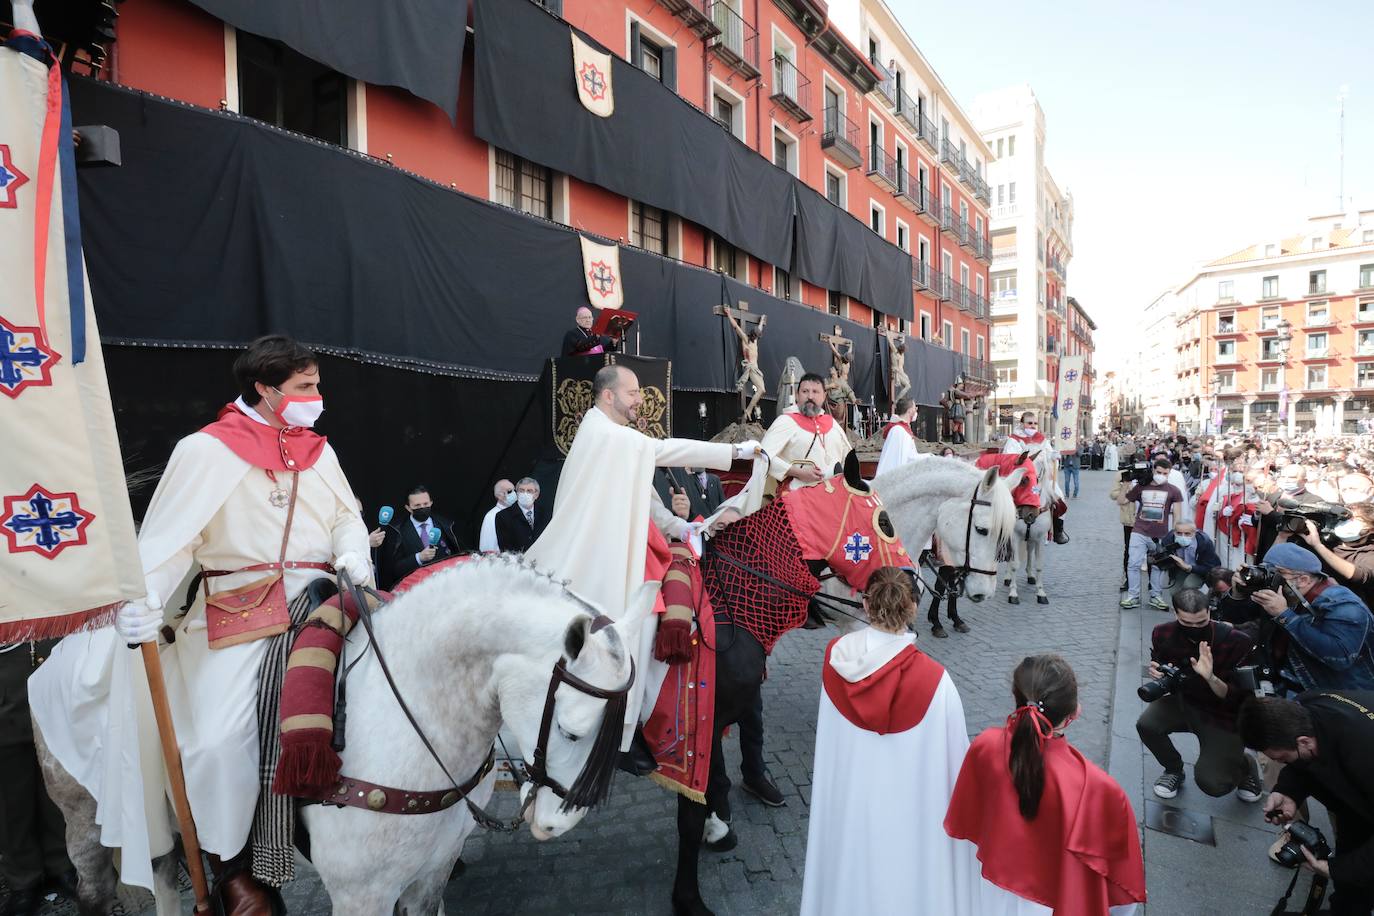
580, 341
518, 526
410, 544
702, 490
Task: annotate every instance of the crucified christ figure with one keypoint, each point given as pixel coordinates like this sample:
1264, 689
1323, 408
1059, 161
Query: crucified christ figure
901, 384
749, 367
838, 383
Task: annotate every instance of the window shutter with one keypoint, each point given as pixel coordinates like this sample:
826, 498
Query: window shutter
636, 49
670, 68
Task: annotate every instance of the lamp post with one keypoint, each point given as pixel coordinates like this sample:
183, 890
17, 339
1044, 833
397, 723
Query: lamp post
1216, 404
1282, 341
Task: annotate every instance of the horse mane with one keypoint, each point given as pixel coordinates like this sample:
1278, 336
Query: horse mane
950, 478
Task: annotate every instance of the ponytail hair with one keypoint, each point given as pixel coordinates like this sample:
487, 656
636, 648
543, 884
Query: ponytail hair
1046, 692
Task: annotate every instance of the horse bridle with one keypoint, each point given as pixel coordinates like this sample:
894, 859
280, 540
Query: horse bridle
962, 573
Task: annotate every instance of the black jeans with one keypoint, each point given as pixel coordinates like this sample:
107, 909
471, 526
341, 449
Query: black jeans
1221, 762
32, 833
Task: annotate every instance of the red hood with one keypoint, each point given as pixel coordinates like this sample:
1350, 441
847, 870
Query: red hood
892, 699
291, 449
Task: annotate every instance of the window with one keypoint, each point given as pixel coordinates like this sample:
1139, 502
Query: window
982, 347
279, 86
876, 317
784, 150
999, 147
1226, 290
963, 341
648, 228
1364, 310
963, 213
1269, 318
834, 188
947, 334
1316, 283
782, 284
875, 218
726, 259
1269, 379
1001, 194
1318, 313
981, 285
1006, 375
1004, 285
834, 302
1316, 376
523, 185
1364, 375
724, 112
1226, 379
925, 325
655, 57
1226, 323
963, 275
1270, 288
1316, 344
902, 177
979, 224
1315, 243
1226, 350
944, 128
1269, 349
1364, 342
1011, 192
1366, 276
1368, 236
1271, 251
903, 236
1011, 145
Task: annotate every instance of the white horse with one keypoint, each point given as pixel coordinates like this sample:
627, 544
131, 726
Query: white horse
1029, 546
471, 648
970, 511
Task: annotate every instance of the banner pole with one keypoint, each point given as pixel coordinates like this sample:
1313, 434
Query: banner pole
152, 664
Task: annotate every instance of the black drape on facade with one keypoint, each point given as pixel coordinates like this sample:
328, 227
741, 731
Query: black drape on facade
836, 251
414, 44
932, 370
655, 148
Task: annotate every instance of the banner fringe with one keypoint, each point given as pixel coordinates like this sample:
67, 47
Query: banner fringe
16, 631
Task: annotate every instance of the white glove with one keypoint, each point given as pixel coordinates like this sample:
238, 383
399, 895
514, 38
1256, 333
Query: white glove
747, 449
1227, 510
358, 569
139, 621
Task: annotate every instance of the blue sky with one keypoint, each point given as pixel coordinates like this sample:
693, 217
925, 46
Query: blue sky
1184, 130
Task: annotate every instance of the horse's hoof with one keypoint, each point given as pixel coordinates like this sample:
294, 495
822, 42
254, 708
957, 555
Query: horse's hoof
1042, 599
724, 844
1030, 580
1012, 599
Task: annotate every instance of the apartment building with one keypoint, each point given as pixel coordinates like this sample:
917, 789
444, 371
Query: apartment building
1032, 244
1280, 335
1079, 342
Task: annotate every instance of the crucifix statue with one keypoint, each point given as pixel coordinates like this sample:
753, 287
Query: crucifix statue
837, 385
899, 385
748, 327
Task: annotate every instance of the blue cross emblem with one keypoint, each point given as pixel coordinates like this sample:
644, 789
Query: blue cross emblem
594, 82
857, 548
1071, 375
43, 522
602, 278
1067, 405
1066, 434
6, 176
23, 360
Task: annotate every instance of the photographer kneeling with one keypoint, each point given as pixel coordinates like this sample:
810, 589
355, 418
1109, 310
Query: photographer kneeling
1193, 659
1326, 739
1184, 550
1330, 630
1352, 556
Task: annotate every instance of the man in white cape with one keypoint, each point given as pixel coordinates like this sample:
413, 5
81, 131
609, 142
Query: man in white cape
804, 445
599, 533
899, 442
890, 740
221, 504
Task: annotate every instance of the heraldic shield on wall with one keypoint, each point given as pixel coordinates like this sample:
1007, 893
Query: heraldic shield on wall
67, 552
570, 394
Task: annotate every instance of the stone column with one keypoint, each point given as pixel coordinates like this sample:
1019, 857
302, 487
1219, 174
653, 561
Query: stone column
1338, 416
1245, 411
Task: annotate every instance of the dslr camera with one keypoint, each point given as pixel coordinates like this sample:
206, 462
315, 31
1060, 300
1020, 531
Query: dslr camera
1302, 835
1156, 556
1169, 680
1294, 516
1256, 578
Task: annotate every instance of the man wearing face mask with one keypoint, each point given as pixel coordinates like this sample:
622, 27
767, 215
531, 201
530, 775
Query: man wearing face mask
1291, 484
258, 501
1205, 703
1352, 558
1191, 556
1158, 507
410, 545
504, 491
518, 526
1330, 630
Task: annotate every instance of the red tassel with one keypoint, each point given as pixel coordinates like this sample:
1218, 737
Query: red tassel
308, 767
673, 644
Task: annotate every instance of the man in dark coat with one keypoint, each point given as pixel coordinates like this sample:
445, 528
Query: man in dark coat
518, 525
702, 489
411, 542
580, 341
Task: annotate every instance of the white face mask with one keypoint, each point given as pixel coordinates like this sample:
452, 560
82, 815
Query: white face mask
1183, 540
1288, 484
1161, 478
1237, 477
508, 499
297, 411
526, 500
1349, 530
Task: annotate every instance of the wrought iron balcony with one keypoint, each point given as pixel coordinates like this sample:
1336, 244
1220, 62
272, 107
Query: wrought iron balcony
920, 274
949, 153
881, 167
982, 190
840, 139
911, 192
908, 110
791, 90
939, 285
694, 14
737, 43
959, 294
967, 174
927, 134
887, 83
946, 217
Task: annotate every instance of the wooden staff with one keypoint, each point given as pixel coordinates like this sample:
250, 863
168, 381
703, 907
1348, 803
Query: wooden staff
152, 664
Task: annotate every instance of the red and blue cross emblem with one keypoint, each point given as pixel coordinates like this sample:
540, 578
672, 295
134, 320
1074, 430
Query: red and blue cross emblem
593, 81
24, 359
11, 179
857, 548
43, 522
602, 277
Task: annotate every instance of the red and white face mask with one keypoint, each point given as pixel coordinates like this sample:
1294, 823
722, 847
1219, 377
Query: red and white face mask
298, 411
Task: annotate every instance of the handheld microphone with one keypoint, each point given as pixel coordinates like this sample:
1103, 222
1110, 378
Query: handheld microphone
385, 515
434, 536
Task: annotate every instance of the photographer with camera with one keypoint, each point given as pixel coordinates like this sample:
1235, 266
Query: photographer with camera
1184, 550
1326, 738
1276, 506
1351, 558
1330, 630
1192, 662
1158, 506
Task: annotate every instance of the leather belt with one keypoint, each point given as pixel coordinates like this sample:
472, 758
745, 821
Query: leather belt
359, 793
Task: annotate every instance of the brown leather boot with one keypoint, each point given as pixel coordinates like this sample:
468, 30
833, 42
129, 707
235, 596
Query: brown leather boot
236, 892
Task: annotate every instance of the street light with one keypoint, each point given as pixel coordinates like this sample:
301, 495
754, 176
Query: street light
1216, 399
1282, 341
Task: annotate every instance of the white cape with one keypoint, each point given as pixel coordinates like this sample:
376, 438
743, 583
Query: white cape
898, 449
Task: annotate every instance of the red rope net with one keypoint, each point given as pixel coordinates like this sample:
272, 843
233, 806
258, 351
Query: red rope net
764, 542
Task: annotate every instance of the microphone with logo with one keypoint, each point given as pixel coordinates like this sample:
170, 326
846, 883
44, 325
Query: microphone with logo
384, 516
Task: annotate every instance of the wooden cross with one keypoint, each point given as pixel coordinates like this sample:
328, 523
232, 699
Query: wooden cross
740, 314
838, 338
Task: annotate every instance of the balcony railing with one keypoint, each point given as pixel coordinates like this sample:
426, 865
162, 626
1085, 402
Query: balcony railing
980, 306
909, 110
946, 217
887, 82
982, 190
840, 138
939, 284
926, 134
737, 45
949, 153
694, 13
979, 370
920, 274
881, 167
911, 192
967, 173
791, 90
1000, 255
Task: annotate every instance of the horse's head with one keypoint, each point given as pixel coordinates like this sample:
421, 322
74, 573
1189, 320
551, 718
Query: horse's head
842, 522
972, 528
568, 718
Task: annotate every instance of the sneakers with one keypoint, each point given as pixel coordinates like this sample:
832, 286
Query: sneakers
1168, 784
1157, 603
1130, 601
763, 789
1251, 787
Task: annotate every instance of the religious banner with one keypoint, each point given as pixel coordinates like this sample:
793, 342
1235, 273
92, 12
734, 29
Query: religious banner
592, 74
67, 553
569, 393
601, 270
1067, 392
